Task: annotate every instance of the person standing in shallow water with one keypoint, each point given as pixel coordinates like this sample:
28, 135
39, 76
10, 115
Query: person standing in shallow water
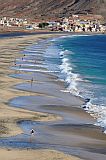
32, 132
31, 81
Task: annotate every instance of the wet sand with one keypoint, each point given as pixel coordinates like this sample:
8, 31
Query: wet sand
9, 52
72, 131
9, 49
75, 133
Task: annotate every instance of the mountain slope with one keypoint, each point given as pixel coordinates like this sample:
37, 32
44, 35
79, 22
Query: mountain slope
50, 8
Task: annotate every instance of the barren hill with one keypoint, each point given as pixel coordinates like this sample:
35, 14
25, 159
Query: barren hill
50, 8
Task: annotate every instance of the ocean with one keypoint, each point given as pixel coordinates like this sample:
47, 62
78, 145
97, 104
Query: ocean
80, 61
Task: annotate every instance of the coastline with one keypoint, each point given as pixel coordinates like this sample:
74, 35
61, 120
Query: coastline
42, 154
10, 116
23, 32
20, 114
7, 92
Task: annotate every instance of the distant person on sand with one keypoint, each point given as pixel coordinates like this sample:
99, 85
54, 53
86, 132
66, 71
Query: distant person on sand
32, 132
31, 81
14, 62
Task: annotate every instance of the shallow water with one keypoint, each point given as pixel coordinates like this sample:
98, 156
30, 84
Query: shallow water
51, 98
86, 56
83, 69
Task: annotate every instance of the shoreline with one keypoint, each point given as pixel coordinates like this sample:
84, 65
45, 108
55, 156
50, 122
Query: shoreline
44, 32
10, 116
14, 92
29, 154
8, 92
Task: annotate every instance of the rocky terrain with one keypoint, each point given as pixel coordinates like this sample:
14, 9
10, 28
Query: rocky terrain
50, 8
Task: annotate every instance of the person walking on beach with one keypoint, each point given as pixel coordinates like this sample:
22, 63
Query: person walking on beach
32, 132
31, 81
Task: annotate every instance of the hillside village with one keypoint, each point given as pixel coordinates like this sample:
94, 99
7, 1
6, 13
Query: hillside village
74, 23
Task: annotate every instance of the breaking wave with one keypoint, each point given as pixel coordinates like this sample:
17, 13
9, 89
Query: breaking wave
72, 80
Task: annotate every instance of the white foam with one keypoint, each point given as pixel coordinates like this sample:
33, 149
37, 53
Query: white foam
33, 51
71, 78
33, 70
72, 36
29, 65
99, 113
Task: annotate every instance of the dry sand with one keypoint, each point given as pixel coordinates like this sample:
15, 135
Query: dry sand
8, 154
8, 115
86, 136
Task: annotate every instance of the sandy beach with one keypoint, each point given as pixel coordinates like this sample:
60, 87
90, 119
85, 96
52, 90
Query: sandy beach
9, 116
34, 154
61, 125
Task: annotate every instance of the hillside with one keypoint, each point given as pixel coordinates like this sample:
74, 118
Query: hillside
50, 8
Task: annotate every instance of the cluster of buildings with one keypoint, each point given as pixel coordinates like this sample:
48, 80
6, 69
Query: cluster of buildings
75, 23
81, 23
17, 23
12, 22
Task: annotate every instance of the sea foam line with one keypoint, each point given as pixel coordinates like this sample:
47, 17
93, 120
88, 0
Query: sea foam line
33, 70
71, 78
96, 111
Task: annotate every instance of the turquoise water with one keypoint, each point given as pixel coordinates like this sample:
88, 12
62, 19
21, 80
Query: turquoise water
86, 56
82, 64
79, 61
89, 56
